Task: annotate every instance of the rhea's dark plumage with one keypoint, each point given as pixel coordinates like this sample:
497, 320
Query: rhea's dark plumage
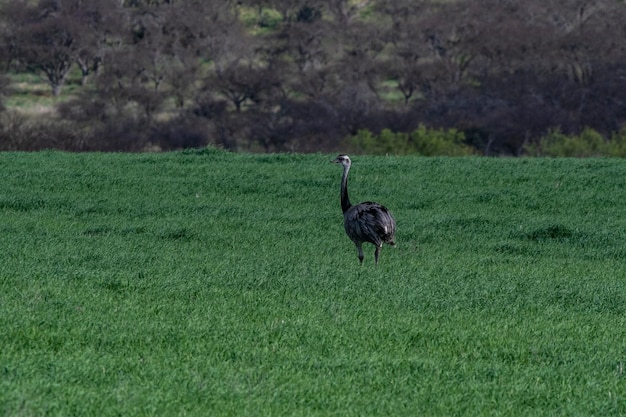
365, 222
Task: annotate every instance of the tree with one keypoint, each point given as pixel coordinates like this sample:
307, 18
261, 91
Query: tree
346, 11
48, 46
50, 36
409, 55
101, 22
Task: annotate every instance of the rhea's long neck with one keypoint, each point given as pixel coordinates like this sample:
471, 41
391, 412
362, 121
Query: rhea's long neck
345, 200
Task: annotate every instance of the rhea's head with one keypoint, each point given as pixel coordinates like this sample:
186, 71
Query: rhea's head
343, 160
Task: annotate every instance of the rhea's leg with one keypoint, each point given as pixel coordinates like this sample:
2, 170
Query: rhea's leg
376, 252
359, 248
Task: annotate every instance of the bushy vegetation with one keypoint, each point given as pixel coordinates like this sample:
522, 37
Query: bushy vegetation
589, 143
422, 141
213, 283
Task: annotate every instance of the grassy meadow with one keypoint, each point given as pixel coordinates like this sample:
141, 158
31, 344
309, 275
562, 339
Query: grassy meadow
208, 283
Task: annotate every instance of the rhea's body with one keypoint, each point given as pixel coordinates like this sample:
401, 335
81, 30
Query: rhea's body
365, 222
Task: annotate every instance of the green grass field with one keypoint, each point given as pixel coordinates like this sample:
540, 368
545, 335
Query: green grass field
214, 284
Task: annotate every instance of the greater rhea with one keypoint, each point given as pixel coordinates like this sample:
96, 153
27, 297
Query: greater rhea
365, 222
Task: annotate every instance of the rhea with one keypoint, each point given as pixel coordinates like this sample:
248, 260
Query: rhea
365, 222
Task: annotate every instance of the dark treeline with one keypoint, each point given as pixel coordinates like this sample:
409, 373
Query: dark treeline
304, 75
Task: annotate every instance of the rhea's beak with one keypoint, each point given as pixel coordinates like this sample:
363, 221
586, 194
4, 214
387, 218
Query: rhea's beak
335, 161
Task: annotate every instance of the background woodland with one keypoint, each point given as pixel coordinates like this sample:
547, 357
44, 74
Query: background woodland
489, 77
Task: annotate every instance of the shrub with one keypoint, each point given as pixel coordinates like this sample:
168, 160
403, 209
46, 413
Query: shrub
588, 143
387, 142
431, 142
269, 19
558, 144
20, 133
617, 145
178, 133
422, 141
